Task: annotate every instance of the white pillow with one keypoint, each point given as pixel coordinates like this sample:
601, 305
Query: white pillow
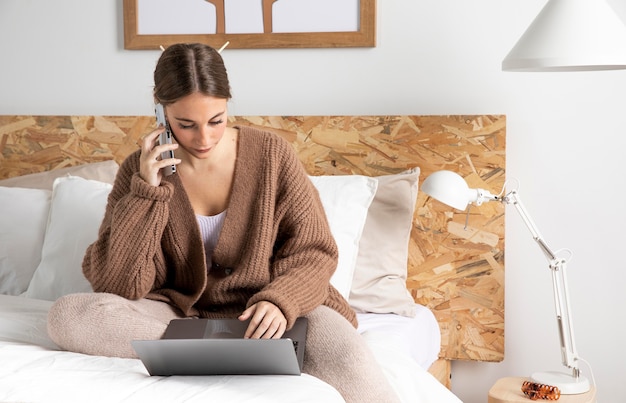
346, 199
23, 216
76, 212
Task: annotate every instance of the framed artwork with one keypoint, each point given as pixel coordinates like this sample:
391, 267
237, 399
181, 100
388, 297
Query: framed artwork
249, 24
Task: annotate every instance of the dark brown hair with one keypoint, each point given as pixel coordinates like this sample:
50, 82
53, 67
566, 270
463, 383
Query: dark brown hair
187, 68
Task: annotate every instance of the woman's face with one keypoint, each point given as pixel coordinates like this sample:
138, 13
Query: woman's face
198, 123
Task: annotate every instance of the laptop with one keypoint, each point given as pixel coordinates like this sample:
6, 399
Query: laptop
217, 347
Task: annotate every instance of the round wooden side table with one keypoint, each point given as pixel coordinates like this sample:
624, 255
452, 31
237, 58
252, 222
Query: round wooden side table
509, 390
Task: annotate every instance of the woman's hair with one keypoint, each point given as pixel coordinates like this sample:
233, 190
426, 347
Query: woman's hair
187, 68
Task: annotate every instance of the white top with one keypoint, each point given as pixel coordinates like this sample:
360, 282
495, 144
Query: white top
210, 228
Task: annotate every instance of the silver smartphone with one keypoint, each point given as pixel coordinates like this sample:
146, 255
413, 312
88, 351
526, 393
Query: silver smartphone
165, 138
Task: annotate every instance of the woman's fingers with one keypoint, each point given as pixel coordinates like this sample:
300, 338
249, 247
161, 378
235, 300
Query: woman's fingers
266, 321
150, 160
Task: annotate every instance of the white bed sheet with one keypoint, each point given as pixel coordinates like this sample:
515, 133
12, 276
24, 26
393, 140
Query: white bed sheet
35, 370
419, 336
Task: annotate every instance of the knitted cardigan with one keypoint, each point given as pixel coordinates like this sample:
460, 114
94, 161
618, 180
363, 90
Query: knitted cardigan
275, 244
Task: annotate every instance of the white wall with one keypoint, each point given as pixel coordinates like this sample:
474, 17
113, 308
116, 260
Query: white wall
565, 139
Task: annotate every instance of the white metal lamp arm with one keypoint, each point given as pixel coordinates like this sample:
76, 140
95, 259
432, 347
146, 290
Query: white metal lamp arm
557, 266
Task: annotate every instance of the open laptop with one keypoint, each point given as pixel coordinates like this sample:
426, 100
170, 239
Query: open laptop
217, 347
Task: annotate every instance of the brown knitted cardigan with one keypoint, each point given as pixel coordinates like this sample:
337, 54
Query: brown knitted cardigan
275, 244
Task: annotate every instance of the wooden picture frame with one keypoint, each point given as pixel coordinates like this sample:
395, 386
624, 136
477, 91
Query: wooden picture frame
364, 37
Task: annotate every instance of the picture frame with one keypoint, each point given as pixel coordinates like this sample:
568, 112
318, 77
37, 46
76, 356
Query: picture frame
363, 36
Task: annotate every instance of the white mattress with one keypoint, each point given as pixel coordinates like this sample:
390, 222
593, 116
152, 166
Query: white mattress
34, 369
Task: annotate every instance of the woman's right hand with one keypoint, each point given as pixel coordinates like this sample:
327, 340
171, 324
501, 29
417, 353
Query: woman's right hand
150, 162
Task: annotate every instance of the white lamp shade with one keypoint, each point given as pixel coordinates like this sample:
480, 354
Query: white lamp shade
449, 188
571, 35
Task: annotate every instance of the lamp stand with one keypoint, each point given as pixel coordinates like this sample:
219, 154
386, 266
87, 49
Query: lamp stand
567, 384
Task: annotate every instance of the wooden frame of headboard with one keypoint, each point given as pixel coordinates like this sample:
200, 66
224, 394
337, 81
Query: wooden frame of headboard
455, 269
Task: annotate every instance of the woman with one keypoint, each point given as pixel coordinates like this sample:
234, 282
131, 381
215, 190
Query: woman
237, 231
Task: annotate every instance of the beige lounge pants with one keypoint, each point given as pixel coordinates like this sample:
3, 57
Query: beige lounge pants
104, 324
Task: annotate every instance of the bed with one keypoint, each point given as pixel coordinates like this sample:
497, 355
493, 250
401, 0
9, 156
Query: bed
427, 288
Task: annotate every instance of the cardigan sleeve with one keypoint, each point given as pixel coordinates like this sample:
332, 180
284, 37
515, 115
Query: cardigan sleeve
123, 260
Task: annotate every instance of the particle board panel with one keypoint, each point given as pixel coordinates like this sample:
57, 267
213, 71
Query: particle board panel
456, 259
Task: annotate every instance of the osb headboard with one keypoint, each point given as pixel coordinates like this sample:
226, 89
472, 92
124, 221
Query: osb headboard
458, 272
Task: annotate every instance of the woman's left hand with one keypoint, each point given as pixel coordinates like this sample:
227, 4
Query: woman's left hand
266, 321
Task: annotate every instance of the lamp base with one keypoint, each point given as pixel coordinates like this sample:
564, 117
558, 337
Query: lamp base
567, 384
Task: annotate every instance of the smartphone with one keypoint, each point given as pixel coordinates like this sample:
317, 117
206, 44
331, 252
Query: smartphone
165, 138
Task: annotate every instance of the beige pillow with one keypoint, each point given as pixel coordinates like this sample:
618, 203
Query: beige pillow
100, 171
379, 282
